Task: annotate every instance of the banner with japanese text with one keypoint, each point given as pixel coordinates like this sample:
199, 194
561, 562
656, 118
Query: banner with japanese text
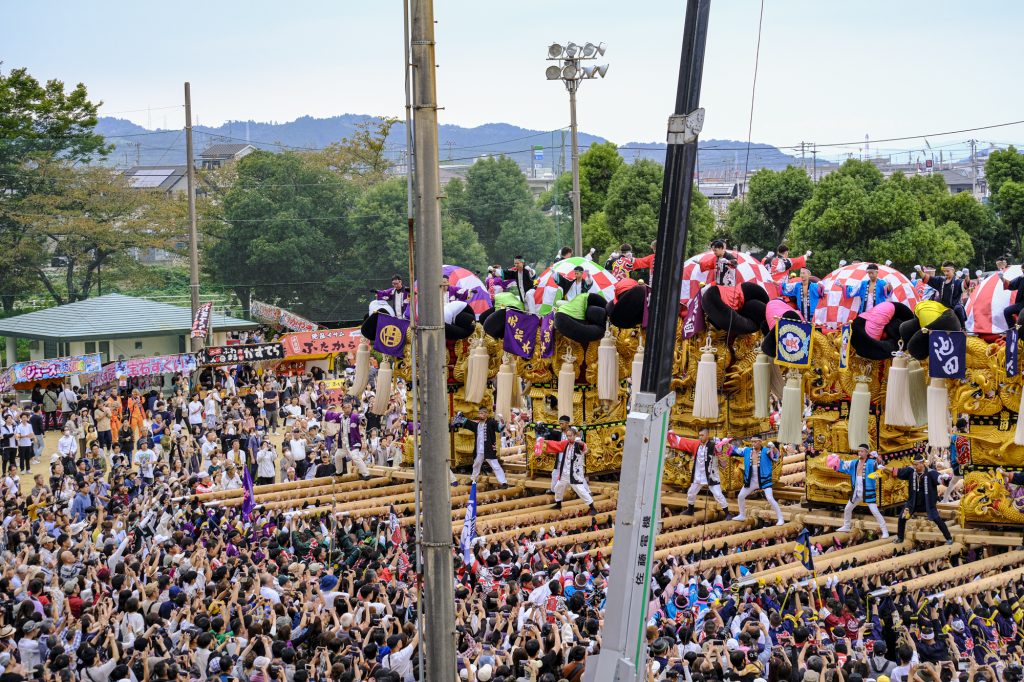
234, 355
947, 355
201, 323
520, 333
142, 367
52, 368
793, 343
321, 342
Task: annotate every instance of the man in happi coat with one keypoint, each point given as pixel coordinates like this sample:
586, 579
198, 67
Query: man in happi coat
397, 296
758, 464
863, 486
704, 469
922, 495
871, 291
485, 446
779, 265
805, 293
350, 440
572, 467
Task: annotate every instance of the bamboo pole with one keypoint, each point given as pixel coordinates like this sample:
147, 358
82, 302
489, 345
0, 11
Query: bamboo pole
530, 512
271, 488
877, 550
679, 521
965, 572
991, 582
731, 541
784, 549
898, 563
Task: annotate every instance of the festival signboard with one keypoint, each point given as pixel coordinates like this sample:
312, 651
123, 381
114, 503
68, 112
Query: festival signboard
201, 323
280, 317
141, 367
321, 342
52, 368
235, 355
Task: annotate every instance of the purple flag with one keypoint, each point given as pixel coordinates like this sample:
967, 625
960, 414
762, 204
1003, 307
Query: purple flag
390, 338
248, 495
694, 322
547, 336
520, 333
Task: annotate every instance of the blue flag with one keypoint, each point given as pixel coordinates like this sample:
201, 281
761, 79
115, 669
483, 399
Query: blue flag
469, 527
802, 549
947, 355
793, 343
844, 347
248, 495
1012, 352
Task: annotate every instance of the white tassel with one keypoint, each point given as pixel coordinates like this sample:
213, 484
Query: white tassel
762, 386
477, 368
1018, 434
791, 420
566, 384
362, 370
607, 369
504, 398
860, 410
637, 372
383, 394
938, 414
918, 390
898, 410
705, 392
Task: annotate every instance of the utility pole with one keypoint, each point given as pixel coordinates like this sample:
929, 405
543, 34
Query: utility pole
193, 233
436, 544
577, 218
624, 642
803, 156
814, 157
974, 168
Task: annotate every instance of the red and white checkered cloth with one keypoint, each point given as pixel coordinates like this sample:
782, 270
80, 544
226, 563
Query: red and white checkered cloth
547, 287
748, 269
839, 309
479, 300
987, 301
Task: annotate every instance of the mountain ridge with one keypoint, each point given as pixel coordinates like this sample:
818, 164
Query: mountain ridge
136, 145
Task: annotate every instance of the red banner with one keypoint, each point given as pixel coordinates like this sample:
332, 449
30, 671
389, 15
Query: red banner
321, 342
201, 323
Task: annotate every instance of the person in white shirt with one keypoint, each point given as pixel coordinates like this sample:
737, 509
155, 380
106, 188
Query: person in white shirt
195, 413
26, 441
265, 464
230, 480
212, 407
146, 460
209, 447
297, 450
67, 446
68, 400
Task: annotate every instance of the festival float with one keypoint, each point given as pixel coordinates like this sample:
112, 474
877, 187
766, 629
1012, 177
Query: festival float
864, 378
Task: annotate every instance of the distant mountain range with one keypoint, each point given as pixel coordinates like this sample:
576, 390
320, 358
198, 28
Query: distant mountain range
136, 145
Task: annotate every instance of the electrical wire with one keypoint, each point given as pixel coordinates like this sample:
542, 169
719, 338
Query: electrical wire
753, 91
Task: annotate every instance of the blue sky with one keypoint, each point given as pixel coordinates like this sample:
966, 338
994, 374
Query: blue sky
829, 71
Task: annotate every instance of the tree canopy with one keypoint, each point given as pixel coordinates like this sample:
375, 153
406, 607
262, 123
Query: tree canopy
762, 218
857, 213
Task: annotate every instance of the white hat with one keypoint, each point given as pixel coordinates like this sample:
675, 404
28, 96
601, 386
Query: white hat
485, 673
732, 644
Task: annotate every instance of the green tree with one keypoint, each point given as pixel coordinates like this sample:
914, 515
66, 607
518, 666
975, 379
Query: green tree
990, 237
87, 218
528, 233
1010, 203
634, 199
288, 236
361, 157
598, 165
597, 236
38, 121
461, 246
856, 213
1003, 165
496, 190
762, 218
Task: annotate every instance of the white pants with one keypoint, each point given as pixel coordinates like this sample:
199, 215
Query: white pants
495, 465
582, 490
872, 507
745, 492
554, 477
716, 491
356, 456
947, 496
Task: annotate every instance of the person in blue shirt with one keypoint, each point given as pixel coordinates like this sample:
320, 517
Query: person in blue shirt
805, 293
82, 502
863, 486
758, 463
871, 291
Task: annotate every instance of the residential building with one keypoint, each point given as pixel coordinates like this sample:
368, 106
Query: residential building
215, 155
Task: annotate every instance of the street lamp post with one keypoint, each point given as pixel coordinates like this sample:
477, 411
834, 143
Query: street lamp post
570, 71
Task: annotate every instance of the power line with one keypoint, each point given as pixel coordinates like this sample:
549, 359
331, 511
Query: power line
753, 91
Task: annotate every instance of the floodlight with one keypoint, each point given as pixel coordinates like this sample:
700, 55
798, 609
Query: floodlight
570, 72
553, 72
590, 50
571, 50
555, 51
595, 71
